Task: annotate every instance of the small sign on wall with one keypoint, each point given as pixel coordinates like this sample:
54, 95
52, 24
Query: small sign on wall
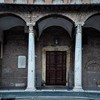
21, 61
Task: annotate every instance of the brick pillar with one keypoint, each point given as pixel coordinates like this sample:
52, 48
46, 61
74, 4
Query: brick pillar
30, 1
86, 1
48, 1
8, 1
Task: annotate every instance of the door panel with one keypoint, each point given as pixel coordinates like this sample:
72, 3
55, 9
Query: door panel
56, 68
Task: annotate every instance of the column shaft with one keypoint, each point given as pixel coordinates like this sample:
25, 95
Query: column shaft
78, 59
31, 60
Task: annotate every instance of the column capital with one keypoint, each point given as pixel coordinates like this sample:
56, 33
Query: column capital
30, 24
79, 28
31, 30
79, 23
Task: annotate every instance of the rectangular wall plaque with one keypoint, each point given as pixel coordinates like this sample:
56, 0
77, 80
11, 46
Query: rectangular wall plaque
21, 61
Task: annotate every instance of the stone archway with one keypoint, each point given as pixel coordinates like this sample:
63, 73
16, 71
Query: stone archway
55, 33
14, 41
55, 20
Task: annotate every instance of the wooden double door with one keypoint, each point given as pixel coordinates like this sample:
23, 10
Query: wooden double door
56, 68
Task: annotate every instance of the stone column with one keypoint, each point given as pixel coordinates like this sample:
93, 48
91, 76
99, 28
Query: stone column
31, 60
78, 59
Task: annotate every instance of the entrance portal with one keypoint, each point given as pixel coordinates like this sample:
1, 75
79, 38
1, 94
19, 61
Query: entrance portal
55, 65
56, 68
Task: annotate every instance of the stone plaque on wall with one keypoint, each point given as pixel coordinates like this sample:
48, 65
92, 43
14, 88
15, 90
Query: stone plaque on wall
21, 61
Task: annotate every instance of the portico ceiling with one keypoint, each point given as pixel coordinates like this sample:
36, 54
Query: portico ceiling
93, 22
55, 21
7, 22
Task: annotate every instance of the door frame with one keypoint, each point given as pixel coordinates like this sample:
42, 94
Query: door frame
56, 48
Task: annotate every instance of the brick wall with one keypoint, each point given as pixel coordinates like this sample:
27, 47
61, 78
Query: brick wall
86, 1
30, 1
8, 1
45, 1
47, 39
91, 59
15, 44
67, 1
48, 1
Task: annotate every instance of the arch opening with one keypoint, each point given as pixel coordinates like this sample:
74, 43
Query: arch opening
91, 54
13, 44
55, 20
93, 22
54, 43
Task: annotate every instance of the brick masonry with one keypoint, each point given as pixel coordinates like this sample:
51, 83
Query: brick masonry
8, 1
9, 72
91, 59
15, 44
48, 39
45, 1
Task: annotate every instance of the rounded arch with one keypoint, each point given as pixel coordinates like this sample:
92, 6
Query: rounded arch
54, 20
93, 21
9, 20
54, 15
91, 15
55, 30
13, 14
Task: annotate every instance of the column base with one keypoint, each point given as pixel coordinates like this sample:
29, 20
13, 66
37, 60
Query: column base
30, 89
78, 89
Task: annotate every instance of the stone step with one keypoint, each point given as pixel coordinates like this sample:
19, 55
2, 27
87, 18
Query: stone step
55, 98
50, 95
